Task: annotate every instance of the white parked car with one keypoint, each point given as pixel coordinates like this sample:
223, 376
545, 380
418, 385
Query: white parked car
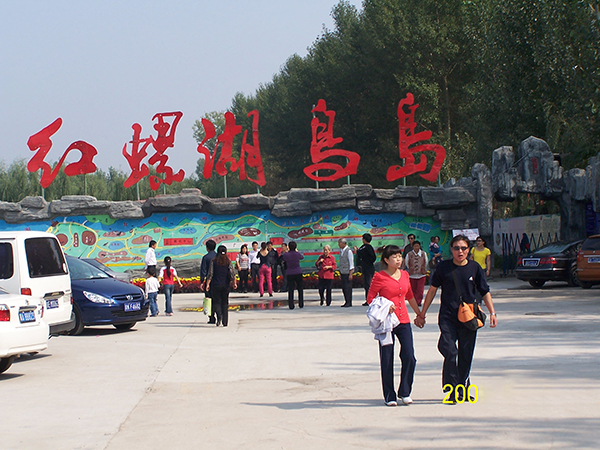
32, 263
22, 329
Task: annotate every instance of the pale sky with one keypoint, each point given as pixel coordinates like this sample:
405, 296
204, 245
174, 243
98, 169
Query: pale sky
103, 65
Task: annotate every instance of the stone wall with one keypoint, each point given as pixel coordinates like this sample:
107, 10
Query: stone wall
536, 171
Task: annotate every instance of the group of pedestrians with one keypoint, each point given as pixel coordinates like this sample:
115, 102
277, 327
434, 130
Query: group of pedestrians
389, 317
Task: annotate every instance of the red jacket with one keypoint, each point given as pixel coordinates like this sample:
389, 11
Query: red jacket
394, 290
326, 261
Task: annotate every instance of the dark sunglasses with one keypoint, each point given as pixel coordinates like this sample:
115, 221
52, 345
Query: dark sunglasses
462, 249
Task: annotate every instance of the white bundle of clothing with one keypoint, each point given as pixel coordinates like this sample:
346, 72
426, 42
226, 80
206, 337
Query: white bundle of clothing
381, 321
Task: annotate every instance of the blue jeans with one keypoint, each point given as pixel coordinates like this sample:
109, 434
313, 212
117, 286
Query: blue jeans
403, 333
152, 296
168, 289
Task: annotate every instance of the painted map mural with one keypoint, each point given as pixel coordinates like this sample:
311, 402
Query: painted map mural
122, 244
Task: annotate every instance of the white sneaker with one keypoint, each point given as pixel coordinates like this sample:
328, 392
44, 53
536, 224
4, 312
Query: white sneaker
392, 403
406, 400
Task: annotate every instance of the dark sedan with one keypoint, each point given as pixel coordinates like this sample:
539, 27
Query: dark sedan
553, 262
99, 299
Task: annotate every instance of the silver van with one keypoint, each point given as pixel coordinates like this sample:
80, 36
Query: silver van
32, 263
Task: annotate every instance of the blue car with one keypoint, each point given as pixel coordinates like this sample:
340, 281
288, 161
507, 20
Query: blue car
99, 299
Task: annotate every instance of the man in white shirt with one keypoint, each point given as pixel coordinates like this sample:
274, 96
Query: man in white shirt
346, 268
254, 265
150, 258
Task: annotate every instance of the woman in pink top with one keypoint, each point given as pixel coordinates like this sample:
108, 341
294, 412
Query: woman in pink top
393, 284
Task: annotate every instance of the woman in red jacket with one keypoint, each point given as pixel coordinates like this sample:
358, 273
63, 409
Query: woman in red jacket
326, 265
394, 285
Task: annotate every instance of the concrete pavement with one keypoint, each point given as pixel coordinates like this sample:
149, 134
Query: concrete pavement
281, 379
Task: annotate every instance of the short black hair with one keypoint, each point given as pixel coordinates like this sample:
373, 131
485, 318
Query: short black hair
411, 235
211, 245
367, 237
292, 246
151, 243
388, 252
460, 237
151, 271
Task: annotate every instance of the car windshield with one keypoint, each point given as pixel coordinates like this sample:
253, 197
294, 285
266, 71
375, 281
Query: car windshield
555, 247
591, 244
80, 270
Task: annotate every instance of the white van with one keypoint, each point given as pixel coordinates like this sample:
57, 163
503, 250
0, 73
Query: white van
32, 263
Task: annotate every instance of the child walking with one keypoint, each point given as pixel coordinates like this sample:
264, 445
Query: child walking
152, 287
168, 276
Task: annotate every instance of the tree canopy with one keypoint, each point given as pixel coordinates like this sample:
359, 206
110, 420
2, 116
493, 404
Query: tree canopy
485, 73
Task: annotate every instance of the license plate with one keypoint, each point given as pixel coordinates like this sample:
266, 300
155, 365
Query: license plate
51, 304
594, 259
26, 316
531, 262
133, 306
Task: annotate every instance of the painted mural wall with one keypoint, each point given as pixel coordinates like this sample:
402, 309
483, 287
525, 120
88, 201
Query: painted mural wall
122, 244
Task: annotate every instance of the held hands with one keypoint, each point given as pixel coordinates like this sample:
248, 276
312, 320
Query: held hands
419, 321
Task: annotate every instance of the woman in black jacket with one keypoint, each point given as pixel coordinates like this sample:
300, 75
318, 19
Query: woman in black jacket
220, 278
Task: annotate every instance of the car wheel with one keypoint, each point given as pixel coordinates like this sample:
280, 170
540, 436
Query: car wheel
5, 363
78, 322
573, 280
124, 326
585, 284
537, 283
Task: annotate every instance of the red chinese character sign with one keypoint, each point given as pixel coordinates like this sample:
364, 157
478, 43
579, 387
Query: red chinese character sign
408, 150
41, 143
249, 154
322, 148
165, 139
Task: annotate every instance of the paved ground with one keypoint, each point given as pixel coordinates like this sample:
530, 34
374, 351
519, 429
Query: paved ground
302, 379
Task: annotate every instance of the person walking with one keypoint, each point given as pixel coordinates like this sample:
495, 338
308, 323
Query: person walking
346, 267
204, 268
392, 284
273, 262
150, 257
151, 287
264, 270
284, 250
326, 265
220, 279
168, 277
416, 266
482, 255
469, 277
407, 249
242, 265
254, 265
365, 258
292, 260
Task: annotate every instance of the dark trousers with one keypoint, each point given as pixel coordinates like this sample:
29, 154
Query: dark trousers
243, 280
457, 359
368, 273
254, 276
346, 288
403, 333
325, 288
295, 281
284, 278
274, 277
220, 303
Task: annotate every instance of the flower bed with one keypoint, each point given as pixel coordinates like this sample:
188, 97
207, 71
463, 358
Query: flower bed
309, 281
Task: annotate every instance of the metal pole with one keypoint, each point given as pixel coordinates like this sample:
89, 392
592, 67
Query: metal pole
225, 184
